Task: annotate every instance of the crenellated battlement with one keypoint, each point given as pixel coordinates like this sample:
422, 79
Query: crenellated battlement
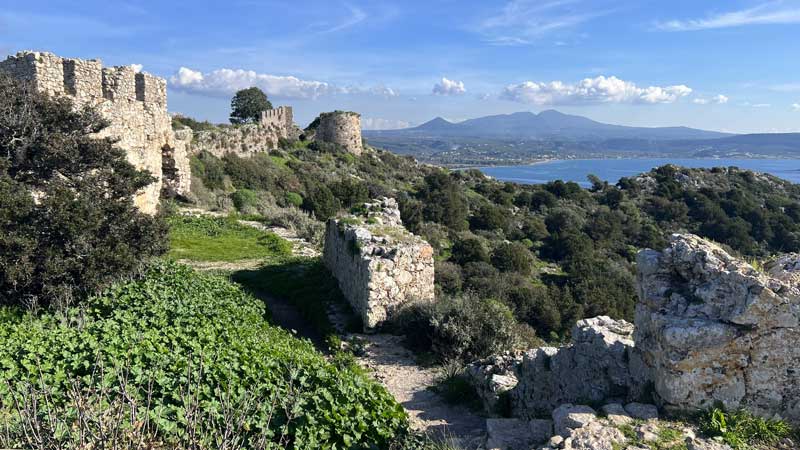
86, 80
281, 117
135, 105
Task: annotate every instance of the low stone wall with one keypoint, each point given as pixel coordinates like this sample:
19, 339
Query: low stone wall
378, 264
601, 364
714, 329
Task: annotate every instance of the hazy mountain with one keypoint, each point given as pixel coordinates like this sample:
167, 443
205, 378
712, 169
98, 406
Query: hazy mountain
548, 124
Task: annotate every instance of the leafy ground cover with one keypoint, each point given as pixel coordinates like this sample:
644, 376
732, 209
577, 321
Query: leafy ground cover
221, 239
179, 359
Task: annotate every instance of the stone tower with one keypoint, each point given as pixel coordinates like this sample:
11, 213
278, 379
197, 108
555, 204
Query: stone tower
342, 128
135, 104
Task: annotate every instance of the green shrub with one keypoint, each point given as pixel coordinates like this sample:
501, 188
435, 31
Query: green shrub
741, 429
188, 345
462, 328
512, 256
321, 201
244, 199
294, 199
222, 239
68, 224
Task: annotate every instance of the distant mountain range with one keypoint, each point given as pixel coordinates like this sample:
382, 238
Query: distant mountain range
524, 136
549, 124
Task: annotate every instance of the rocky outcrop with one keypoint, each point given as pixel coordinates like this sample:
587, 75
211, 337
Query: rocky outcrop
341, 128
378, 264
711, 328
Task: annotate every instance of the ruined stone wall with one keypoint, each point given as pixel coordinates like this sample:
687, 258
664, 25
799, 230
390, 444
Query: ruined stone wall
378, 264
248, 140
712, 328
342, 128
135, 104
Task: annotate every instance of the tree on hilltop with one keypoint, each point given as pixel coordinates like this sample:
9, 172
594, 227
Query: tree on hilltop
68, 224
247, 106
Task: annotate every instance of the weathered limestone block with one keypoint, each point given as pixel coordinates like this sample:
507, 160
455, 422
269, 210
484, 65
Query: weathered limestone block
135, 105
342, 128
601, 364
712, 328
378, 264
493, 378
516, 434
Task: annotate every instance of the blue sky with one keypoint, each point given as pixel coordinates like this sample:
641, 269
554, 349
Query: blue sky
722, 65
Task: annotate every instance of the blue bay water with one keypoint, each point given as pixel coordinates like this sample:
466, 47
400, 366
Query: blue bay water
612, 170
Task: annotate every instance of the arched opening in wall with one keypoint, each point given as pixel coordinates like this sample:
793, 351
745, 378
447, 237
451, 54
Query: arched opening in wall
169, 173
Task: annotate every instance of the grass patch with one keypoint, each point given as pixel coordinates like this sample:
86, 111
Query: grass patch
740, 429
222, 239
305, 282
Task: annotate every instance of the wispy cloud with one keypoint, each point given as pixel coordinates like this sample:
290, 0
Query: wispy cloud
716, 100
592, 90
356, 16
796, 106
775, 12
757, 105
521, 22
449, 87
223, 82
785, 87
369, 123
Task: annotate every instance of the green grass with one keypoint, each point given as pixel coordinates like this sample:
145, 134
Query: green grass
740, 429
305, 282
182, 355
222, 239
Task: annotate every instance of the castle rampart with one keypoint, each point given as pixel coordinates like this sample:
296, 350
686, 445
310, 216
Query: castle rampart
135, 104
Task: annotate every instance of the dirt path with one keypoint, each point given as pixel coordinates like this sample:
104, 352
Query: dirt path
396, 368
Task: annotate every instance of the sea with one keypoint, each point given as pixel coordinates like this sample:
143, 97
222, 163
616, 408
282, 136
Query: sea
612, 170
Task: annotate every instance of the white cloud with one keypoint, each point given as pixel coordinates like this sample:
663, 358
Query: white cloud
796, 106
449, 87
717, 99
228, 81
592, 90
767, 13
224, 82
786, 87
369, 123
137, 67
757, 105
484, 96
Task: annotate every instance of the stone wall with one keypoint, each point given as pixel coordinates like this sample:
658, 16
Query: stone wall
714, 329
709, 329
378, 264
135, 104
247, 140
342, 128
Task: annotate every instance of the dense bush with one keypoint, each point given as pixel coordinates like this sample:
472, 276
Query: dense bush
461, 328
68, 224
197, 357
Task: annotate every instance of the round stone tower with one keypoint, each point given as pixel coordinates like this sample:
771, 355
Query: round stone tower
342, 128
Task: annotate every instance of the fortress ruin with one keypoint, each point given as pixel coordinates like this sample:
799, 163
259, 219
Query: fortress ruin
342, 128
135, 104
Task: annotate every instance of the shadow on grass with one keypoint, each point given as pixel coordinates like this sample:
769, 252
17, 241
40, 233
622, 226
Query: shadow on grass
304, 283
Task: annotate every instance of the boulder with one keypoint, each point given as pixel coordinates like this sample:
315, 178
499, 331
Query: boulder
594, 436
516, 434
616, 414
568, 417
713, 329
641, 411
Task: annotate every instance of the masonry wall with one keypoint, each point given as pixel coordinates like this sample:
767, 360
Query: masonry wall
248, 140
379, 265
342, 128
135, 104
